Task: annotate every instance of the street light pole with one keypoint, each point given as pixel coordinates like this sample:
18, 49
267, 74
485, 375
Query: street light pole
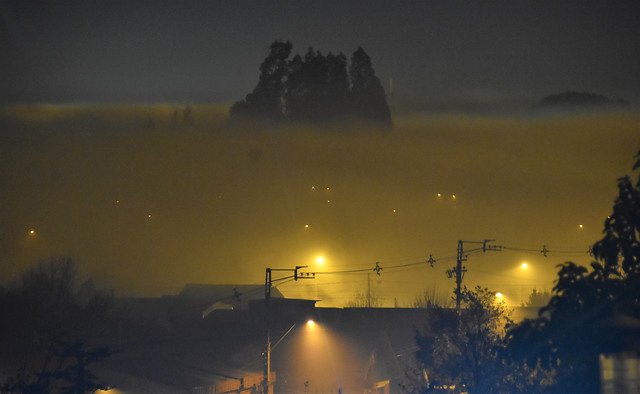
268, 284
267, 350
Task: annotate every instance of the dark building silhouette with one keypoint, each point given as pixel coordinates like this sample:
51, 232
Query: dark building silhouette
167, 344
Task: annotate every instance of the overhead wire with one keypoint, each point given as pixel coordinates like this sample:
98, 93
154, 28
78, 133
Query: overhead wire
407, 264
410, 264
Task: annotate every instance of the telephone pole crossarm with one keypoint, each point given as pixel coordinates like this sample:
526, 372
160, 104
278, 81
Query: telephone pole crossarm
459, 270
268, 285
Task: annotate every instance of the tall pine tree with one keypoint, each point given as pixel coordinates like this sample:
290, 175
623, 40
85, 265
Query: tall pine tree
265, 102
368, 99
295, 90
337, 86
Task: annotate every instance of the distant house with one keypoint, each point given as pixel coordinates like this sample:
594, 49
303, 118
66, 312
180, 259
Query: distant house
220, 297
620, 366
202, 340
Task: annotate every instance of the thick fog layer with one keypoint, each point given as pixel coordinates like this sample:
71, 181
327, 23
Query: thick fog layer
148, 198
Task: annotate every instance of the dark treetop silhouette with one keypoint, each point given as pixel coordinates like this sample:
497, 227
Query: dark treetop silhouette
315, 88
578, 324
49, 332
588, 314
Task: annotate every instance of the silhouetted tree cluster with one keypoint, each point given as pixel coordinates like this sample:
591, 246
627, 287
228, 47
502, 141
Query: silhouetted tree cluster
429, 298
578, 324
466, 350
364, 300
314, 88
537, 299
47, 319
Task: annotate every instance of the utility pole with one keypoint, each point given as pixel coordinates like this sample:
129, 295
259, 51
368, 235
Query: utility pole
459, 270
368, 290
268, 284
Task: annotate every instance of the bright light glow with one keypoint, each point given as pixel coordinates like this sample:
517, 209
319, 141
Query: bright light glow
149, 215
310, 323
580, 226
524, 265
320, 260
453, 196
499, 295
32, 232
439, 195
328, 188
328, 200
313, 188
394, 211
306, 226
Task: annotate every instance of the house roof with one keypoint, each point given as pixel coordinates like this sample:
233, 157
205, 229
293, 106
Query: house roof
225, 293
366, 345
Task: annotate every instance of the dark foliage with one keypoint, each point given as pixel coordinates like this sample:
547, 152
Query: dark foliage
76, 375
537, 298
466, 350
315, 88
367, 94
46, 317
264, 102
577, 324
558, 351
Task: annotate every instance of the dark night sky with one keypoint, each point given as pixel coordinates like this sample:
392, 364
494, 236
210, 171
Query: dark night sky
440, 53
94, 164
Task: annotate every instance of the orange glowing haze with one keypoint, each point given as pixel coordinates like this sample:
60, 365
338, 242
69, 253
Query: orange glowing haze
145, 206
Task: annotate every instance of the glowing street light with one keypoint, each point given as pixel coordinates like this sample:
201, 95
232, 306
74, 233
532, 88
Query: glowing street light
268, 284
499, 295
311, 323
524, 265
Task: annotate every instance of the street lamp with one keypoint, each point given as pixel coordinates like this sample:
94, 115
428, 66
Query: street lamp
268, 284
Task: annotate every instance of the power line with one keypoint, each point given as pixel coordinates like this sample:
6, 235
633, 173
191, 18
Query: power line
545, 251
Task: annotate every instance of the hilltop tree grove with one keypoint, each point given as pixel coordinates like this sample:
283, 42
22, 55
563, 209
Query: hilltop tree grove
315, 88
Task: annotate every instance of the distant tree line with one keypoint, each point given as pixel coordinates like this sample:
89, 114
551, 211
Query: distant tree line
314, 88
571, 99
